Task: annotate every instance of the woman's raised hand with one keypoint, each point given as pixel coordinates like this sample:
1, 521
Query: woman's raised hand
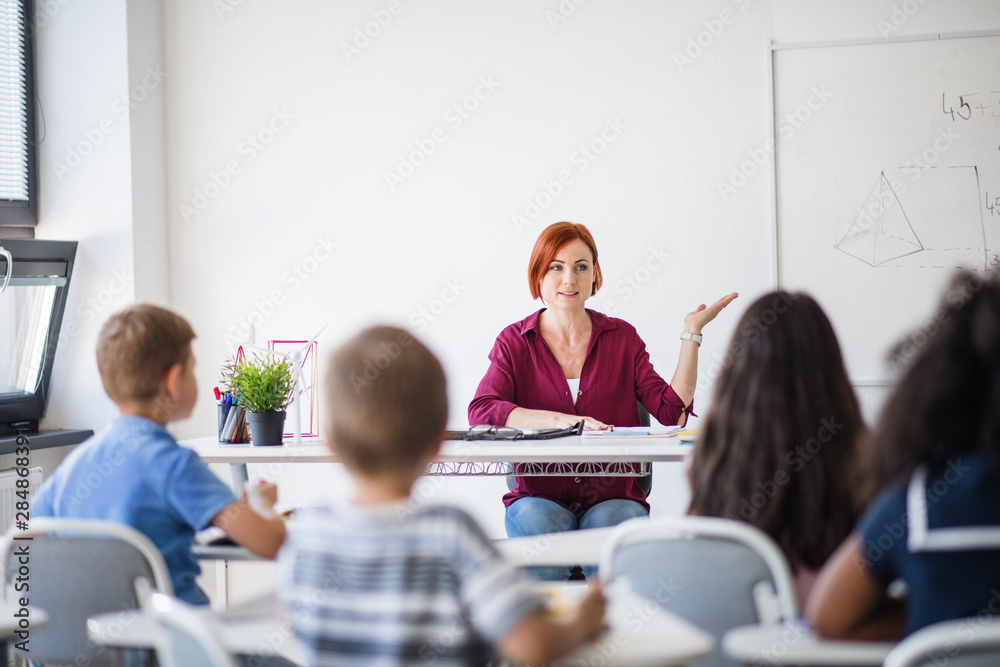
702, 315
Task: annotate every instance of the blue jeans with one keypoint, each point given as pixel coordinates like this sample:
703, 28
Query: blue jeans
536, 516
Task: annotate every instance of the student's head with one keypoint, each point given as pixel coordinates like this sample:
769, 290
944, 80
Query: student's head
561, 248
386, 402
144, 356
777, 445
947, 401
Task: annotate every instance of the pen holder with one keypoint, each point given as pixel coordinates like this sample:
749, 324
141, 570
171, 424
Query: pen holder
223, 411
232, 424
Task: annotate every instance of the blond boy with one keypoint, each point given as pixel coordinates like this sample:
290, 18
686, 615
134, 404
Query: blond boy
374, 581
135, 473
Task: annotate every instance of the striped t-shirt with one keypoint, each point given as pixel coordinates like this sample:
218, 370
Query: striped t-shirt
397, 585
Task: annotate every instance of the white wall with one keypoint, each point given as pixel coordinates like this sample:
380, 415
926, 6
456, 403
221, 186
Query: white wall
446, 232
84, 166
101, 177
800, 21
146, 89
278, 144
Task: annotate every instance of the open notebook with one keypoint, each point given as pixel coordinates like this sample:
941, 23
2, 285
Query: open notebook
640, 432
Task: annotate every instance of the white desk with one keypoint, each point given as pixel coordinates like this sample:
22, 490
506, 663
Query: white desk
10, 624
572, 455
640, 633
793, 645
569, 456
254, 629
574, 546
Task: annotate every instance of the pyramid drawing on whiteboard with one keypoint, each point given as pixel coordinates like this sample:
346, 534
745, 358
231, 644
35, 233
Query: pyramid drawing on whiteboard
881, 232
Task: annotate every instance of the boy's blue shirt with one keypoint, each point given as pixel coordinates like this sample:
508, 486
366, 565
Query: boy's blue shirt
135, 473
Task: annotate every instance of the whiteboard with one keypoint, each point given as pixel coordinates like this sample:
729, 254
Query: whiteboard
887, 177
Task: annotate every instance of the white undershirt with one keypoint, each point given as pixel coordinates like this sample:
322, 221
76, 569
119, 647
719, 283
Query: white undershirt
574, 387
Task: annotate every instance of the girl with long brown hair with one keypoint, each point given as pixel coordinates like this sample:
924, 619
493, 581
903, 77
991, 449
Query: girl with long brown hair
778, 443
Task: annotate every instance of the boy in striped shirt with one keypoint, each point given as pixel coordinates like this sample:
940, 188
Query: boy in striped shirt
383, 580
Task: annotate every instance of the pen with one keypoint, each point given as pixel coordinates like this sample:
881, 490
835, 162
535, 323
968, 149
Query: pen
223, 412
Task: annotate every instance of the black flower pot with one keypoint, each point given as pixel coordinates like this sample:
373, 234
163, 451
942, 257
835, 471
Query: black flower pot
266, 427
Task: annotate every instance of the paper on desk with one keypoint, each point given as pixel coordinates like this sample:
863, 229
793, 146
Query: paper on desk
636, 431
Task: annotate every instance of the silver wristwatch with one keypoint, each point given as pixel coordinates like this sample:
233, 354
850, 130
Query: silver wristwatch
687, 335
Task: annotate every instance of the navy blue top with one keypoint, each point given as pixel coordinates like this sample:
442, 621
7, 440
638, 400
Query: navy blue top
135, 473
941, 535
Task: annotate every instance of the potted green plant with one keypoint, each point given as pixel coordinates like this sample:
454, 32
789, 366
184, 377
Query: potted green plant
263, 386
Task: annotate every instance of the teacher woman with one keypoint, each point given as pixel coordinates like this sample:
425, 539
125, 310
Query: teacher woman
565, 363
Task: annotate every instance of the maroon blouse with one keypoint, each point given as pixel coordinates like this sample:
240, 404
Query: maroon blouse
616, 373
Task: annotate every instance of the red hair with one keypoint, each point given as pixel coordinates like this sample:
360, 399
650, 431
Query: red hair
549, 243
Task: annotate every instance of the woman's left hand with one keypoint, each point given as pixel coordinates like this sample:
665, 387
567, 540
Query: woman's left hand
702, 315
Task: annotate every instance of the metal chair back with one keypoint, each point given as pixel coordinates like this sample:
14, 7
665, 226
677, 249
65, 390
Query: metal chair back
716, 573
76, 569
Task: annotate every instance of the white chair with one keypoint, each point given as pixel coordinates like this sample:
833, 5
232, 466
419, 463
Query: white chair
79, 568
966, 642
188, 638
716, 573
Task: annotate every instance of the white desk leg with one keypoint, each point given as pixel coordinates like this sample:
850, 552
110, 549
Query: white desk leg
222, 584
240, 477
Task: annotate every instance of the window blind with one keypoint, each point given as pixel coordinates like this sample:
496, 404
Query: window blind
13, 103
